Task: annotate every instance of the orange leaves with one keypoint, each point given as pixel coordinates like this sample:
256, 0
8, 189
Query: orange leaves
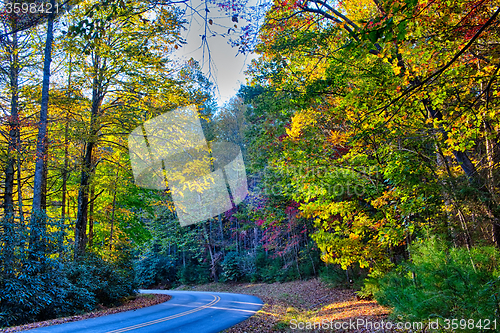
338, 138
383, 200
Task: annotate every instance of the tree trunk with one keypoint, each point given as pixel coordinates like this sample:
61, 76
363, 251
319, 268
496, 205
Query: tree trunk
113, 213
475, 180
87, 167
492, 155
66, 149
43, 202
65, 171
41, 144
14, 124
37, 223
213, 261
91, 216
221, 229
13, 142
81, 216
237, 236
19, 186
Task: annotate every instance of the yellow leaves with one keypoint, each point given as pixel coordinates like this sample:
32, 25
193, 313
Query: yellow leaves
338, 138
489, 69
300, 121
360, 221
383, 200
347, 251
359, 10
396, 69
353, 236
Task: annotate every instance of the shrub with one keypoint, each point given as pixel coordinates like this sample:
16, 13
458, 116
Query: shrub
153, 268
269, 269
39, 280
248, 266
444, 283
337, 277
107, 282
231, 267
194, 272
31, 283
41, 293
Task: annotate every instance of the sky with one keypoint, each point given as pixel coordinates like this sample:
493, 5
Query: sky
226, 67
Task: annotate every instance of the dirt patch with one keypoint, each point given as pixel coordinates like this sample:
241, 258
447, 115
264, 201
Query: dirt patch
133, 303
303, 301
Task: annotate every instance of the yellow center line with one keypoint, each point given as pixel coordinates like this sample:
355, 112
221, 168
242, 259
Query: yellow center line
161, 320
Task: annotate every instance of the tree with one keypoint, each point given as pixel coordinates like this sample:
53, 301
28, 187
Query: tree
364, 149
39, 184
123, 53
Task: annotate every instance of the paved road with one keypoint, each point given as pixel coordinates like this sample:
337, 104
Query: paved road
186, 312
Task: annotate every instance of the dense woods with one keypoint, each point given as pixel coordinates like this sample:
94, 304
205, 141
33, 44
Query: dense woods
369, 130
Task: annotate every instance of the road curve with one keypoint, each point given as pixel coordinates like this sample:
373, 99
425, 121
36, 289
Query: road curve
186, 312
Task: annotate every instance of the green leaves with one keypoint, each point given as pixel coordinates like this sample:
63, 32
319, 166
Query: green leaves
442, 282
354, 100
401, 30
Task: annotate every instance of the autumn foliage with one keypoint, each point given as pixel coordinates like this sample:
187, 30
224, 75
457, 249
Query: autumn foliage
381, 119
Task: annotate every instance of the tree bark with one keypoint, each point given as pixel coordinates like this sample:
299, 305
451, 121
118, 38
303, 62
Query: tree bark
113, 213
37, 223
65, 171
66, 149
13, 146
492, 155
19, 185
476, 181
213, 259
43, 202
41, 145
14, 124
91, 217
87, 167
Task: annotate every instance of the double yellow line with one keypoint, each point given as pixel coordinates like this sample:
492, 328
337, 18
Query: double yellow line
161, 320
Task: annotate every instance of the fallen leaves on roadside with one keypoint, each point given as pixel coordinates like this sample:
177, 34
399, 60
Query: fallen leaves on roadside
304, 301
140, 301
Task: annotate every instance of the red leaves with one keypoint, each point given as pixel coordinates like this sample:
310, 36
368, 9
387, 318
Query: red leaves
282, 137
475, 18
477, 13
289, 4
